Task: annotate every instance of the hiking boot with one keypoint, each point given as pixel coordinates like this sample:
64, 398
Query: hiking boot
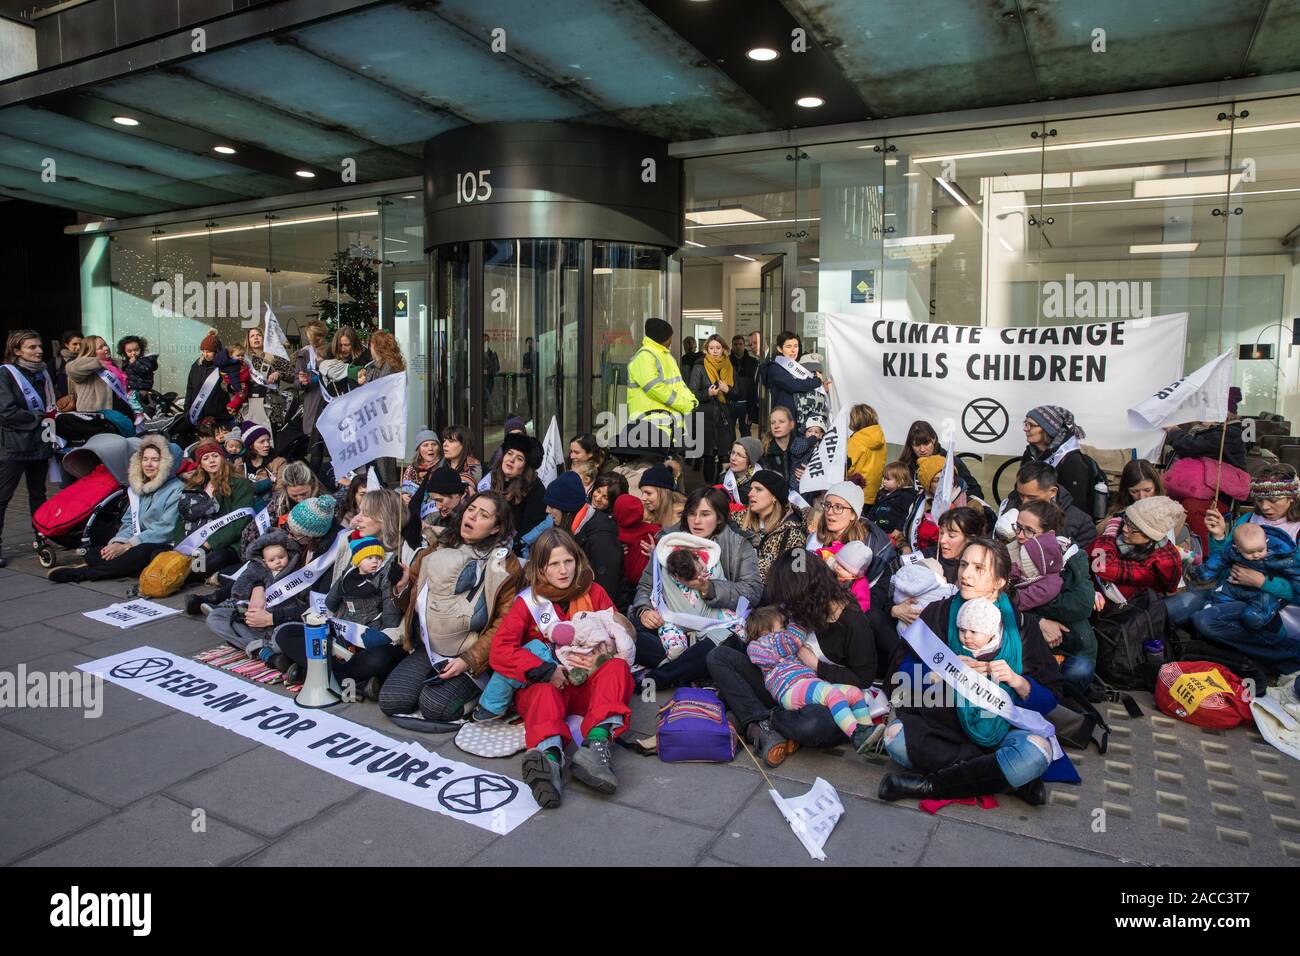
296, 674
482, 714
866, 736
593, 764
543, 776
1033, 793
769, 744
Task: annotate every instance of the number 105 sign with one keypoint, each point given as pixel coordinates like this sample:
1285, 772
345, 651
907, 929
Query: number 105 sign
473, 187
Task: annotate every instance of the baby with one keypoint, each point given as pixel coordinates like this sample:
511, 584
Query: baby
979, 628
361, 595
894, 501
233, 443
850, 562
270, 558
920, 584
602, 633
685, 566
1260, 548
774, 648
1036, 568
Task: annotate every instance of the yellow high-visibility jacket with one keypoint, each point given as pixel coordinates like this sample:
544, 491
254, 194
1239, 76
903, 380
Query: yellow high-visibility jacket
655, 389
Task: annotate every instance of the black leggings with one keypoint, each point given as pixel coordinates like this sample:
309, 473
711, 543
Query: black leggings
366, 663
214, 561
692, 665
129, 564
413, 686
740, 683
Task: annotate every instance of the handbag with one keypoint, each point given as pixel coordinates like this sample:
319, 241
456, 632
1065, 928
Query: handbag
693, 726
165, 574
1195, 478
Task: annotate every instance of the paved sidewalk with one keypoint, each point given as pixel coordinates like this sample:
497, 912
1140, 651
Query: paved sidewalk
120, 789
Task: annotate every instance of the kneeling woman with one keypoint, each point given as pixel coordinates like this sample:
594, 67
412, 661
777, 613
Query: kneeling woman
954, 750
559, 584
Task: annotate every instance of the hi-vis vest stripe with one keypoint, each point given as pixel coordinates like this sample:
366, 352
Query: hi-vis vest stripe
659, 378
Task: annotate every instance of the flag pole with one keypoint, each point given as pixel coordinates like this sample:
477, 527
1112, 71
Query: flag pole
1218, 472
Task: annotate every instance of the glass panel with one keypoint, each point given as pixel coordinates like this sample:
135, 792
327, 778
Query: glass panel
532, 302
408, 317
743, 199
403, 232
628, 285
449, 353
1262, 221
357, 241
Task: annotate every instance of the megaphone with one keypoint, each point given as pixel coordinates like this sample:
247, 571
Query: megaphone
318, 690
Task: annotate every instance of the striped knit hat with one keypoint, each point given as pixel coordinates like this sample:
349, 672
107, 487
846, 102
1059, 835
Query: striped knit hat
312, 518
364, 546
1275, 487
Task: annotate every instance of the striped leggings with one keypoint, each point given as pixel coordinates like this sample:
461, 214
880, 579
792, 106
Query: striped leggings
849, 705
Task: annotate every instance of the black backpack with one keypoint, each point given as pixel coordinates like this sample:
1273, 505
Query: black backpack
1122, 662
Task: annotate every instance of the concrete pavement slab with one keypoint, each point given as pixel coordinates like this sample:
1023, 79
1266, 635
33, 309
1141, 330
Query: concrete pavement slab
27, 642
156, 831
964, 844
18, 752
705, 794
38, 812
68, 728
59, 661
63, 599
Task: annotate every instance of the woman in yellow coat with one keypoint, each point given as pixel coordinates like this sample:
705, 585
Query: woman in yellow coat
866, 449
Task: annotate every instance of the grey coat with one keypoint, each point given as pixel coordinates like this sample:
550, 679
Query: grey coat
739, 564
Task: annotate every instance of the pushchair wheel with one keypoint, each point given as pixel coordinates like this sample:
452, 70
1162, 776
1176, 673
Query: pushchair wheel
47, 557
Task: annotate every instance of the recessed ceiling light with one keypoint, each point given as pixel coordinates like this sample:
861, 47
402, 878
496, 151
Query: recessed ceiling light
810, 102
305, 173
126, 121
719, 214
762, 54
1158, 247
224, 150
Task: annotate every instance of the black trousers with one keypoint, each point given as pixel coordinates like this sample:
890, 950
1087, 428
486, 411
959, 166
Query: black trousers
413, 687
740, 683
214, 561
129, 564
11, 472
366, 663
691, 666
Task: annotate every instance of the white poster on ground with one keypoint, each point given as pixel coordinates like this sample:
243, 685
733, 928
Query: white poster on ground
985, 378
366, 423
327, 742
130, 613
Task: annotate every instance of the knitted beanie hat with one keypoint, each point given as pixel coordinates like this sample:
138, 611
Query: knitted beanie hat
424, 435
1156, 516
926, 469
312, 518
208, 447
444, 480
210, 342
1275, 487
658, 476
753, 450
252, 434
854, 557
849, 492
514, 424
364, 546
657, 330
566, 493
1053, 419
774, 483
981, 616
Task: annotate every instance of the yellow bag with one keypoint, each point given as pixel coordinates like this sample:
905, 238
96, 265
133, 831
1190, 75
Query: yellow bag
165, 574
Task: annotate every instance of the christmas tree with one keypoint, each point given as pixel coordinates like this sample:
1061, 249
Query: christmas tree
353, 292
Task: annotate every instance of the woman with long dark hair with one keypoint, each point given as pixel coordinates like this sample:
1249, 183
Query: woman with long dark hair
923, 441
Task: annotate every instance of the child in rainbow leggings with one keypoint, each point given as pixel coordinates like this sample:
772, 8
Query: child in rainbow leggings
774, 647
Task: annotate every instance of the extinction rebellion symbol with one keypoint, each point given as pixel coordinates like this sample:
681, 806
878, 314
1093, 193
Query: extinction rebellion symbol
481, 793
984, 420
141, 667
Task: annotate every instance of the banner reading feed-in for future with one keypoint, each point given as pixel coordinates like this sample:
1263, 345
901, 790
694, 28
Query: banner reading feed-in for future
984, 378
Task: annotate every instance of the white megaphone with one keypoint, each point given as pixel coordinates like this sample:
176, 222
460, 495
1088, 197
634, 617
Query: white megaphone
318, 690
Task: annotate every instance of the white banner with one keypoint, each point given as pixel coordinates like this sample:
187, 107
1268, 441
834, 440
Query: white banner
130, 613
729, 483
201, 398
552, 454
828, 463
366, 423
326, 741
985, 378
274, 341
287, 587
812, 815
1200, 396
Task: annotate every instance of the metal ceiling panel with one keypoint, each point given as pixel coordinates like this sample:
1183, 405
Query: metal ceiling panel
26, 184
1276, 48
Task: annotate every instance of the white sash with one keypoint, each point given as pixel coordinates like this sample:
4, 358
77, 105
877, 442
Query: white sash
692, 622
255, 371
135, 510
434, 657
201, 399
263, 519
33, 400
542, 610
311, 366
793, 367
1069, 446
113, 382
287, 587
729, 482
192, 541
485, 483
349, 631
976, 688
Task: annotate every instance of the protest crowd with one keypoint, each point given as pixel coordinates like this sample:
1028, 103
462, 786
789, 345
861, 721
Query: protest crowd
797, 575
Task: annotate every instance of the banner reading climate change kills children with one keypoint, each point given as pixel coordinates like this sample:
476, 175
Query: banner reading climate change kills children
986, 377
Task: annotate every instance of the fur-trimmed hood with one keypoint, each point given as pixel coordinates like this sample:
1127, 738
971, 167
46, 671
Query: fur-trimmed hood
171, 460
274, 536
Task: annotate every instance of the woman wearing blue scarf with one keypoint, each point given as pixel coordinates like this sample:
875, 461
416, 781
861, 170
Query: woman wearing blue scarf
959, 750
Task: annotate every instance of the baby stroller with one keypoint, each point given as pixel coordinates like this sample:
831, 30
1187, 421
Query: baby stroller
88, 511
163, 415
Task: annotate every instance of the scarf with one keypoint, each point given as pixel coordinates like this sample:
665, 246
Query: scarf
719, 370
574, 595
26, 366
979, 725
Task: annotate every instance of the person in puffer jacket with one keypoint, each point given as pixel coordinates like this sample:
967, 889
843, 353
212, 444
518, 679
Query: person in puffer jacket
1258, 547
1036, 567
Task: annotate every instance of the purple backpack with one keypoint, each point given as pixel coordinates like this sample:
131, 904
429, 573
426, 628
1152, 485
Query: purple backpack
693, 726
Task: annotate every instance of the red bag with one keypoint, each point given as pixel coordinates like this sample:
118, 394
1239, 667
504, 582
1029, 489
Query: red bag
69, 510
1202, 693
1194, 478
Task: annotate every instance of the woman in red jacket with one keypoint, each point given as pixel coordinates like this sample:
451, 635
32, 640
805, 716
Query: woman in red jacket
558, 583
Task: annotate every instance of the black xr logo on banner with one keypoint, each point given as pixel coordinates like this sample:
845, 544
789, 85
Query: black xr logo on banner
984, 420
481, 793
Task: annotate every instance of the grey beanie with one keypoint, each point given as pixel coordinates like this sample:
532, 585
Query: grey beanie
274, 536
424, 435
753, 449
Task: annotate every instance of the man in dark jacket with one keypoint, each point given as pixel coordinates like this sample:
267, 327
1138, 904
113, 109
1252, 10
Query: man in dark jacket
1202, 441
26, 392
743, 400
594, 531
1037, 481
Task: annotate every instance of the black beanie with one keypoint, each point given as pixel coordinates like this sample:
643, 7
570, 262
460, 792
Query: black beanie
657, 476
658, 330
774, 483
444, 481
526, 445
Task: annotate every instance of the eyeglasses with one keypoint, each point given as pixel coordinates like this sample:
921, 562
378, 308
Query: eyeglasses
1018, 528
832, 509
1130, 528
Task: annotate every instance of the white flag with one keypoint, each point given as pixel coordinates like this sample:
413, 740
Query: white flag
729, 482
274, 341
366, 423
372, 480
812, 816
1200, 396
552, 454
828, 463
942, 500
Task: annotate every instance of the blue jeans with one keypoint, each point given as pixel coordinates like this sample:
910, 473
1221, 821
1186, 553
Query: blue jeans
1222, 624
1078, 670
1181, 607
500, 689
1019, 759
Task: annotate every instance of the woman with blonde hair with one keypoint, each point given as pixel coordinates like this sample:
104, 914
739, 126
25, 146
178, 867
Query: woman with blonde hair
385, 359
94, 380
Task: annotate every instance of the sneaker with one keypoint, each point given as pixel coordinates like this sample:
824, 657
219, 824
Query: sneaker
61, 575
769, 744
482, 714
593, 764
866, 737
544, 778
194, 605
372, 688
